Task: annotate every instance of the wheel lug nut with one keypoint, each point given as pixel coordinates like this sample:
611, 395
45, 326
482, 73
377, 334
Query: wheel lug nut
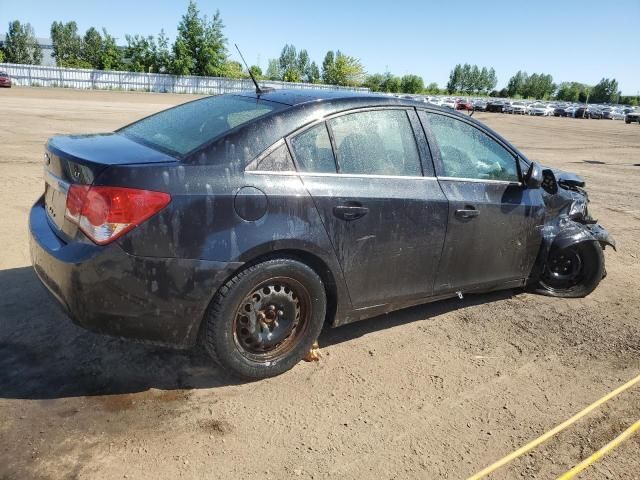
280, 313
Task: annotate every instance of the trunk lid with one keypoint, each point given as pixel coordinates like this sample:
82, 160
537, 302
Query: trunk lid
79, 159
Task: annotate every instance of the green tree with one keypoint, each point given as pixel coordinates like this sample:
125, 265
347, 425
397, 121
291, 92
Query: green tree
182, 62
111, 54
162, 53
432, 88
67, 45
313, 73
606, 91
140, 52
212, 59
538, 85
20, 44
455, 79
303, 63
492, 79
92, 48
375, 82
273, 70
256, 71
1, 56
329, 68
232, 69
475, 80
200, 47
516, 84
391, 84
348, 70
288, 64
412, 84
466, 83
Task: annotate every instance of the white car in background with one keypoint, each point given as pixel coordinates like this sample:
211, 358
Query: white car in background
449, 102
540, 109
519, 108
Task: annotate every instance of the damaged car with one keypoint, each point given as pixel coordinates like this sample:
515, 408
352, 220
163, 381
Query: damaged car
247, 222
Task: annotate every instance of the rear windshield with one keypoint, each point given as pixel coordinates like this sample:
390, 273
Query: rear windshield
184, 128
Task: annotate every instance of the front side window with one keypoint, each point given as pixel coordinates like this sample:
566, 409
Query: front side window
379, 142
467, 152
313, 152
186, 127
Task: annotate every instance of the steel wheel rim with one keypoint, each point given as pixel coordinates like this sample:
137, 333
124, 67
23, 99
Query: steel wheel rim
564, 270
271, 319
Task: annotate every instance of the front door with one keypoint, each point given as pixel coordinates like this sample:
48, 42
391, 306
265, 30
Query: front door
494, 225
385, 219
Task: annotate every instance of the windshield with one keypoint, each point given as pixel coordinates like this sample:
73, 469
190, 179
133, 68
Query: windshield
186, 127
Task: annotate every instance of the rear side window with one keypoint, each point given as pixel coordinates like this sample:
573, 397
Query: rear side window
313, 152
184, 128
378, 142
278, 160
467, 152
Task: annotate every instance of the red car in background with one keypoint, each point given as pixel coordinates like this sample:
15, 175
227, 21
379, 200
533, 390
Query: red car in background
464, 105
5, 80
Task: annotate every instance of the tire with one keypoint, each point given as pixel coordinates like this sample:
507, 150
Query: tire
575, 279
265, 319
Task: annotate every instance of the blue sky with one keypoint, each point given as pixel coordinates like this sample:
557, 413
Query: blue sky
571, 40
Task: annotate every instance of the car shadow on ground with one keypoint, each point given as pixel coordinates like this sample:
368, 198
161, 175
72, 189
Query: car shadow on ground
43, 355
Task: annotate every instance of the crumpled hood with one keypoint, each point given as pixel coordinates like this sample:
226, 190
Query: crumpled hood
567, 178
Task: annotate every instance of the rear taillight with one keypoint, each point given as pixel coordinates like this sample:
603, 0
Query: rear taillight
106, 213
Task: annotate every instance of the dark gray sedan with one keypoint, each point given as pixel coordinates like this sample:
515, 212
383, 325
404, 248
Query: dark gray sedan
249, 221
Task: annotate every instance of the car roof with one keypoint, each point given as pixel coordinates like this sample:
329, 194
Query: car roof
298, 96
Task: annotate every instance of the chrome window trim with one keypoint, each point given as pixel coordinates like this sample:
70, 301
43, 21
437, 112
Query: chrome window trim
394, 177
479, 180
339, 175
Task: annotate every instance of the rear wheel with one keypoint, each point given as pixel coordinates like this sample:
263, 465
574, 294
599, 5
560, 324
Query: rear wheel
265, 319
572, 272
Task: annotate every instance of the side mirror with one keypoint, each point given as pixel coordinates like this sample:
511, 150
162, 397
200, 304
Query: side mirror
533, 176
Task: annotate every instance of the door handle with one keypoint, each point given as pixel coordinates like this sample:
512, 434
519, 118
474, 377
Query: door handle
350, 212
467, 212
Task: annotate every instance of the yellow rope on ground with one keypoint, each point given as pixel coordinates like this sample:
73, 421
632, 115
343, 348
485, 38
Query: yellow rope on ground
601, 453
543, 438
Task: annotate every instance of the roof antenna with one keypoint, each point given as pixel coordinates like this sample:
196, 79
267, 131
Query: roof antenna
259, 91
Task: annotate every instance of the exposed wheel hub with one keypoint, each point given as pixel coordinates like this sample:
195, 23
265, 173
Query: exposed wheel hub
267, 318
564, 265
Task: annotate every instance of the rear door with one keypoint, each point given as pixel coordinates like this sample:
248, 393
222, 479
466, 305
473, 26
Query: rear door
386, 219
494, 224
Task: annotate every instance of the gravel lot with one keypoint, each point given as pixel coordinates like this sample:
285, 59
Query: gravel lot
436, 391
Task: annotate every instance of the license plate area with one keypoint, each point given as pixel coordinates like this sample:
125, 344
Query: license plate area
55, 198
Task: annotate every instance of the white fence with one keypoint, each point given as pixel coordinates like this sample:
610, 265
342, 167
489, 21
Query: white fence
43, 76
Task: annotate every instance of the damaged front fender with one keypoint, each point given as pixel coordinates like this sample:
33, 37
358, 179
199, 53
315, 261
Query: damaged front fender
567, 219
569, 232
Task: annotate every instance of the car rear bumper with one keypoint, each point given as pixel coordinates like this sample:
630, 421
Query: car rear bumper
106, 290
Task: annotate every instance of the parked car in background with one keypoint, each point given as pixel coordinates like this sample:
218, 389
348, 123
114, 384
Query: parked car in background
581, 112
613, 114
332, 207
480, 106
5, 80
462, 104
540, 109
507, 107
633, 116
449, 103
519, 108
594, 112
560, 111
495, 106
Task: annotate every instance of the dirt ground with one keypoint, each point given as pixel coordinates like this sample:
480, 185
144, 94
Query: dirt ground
436, 391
